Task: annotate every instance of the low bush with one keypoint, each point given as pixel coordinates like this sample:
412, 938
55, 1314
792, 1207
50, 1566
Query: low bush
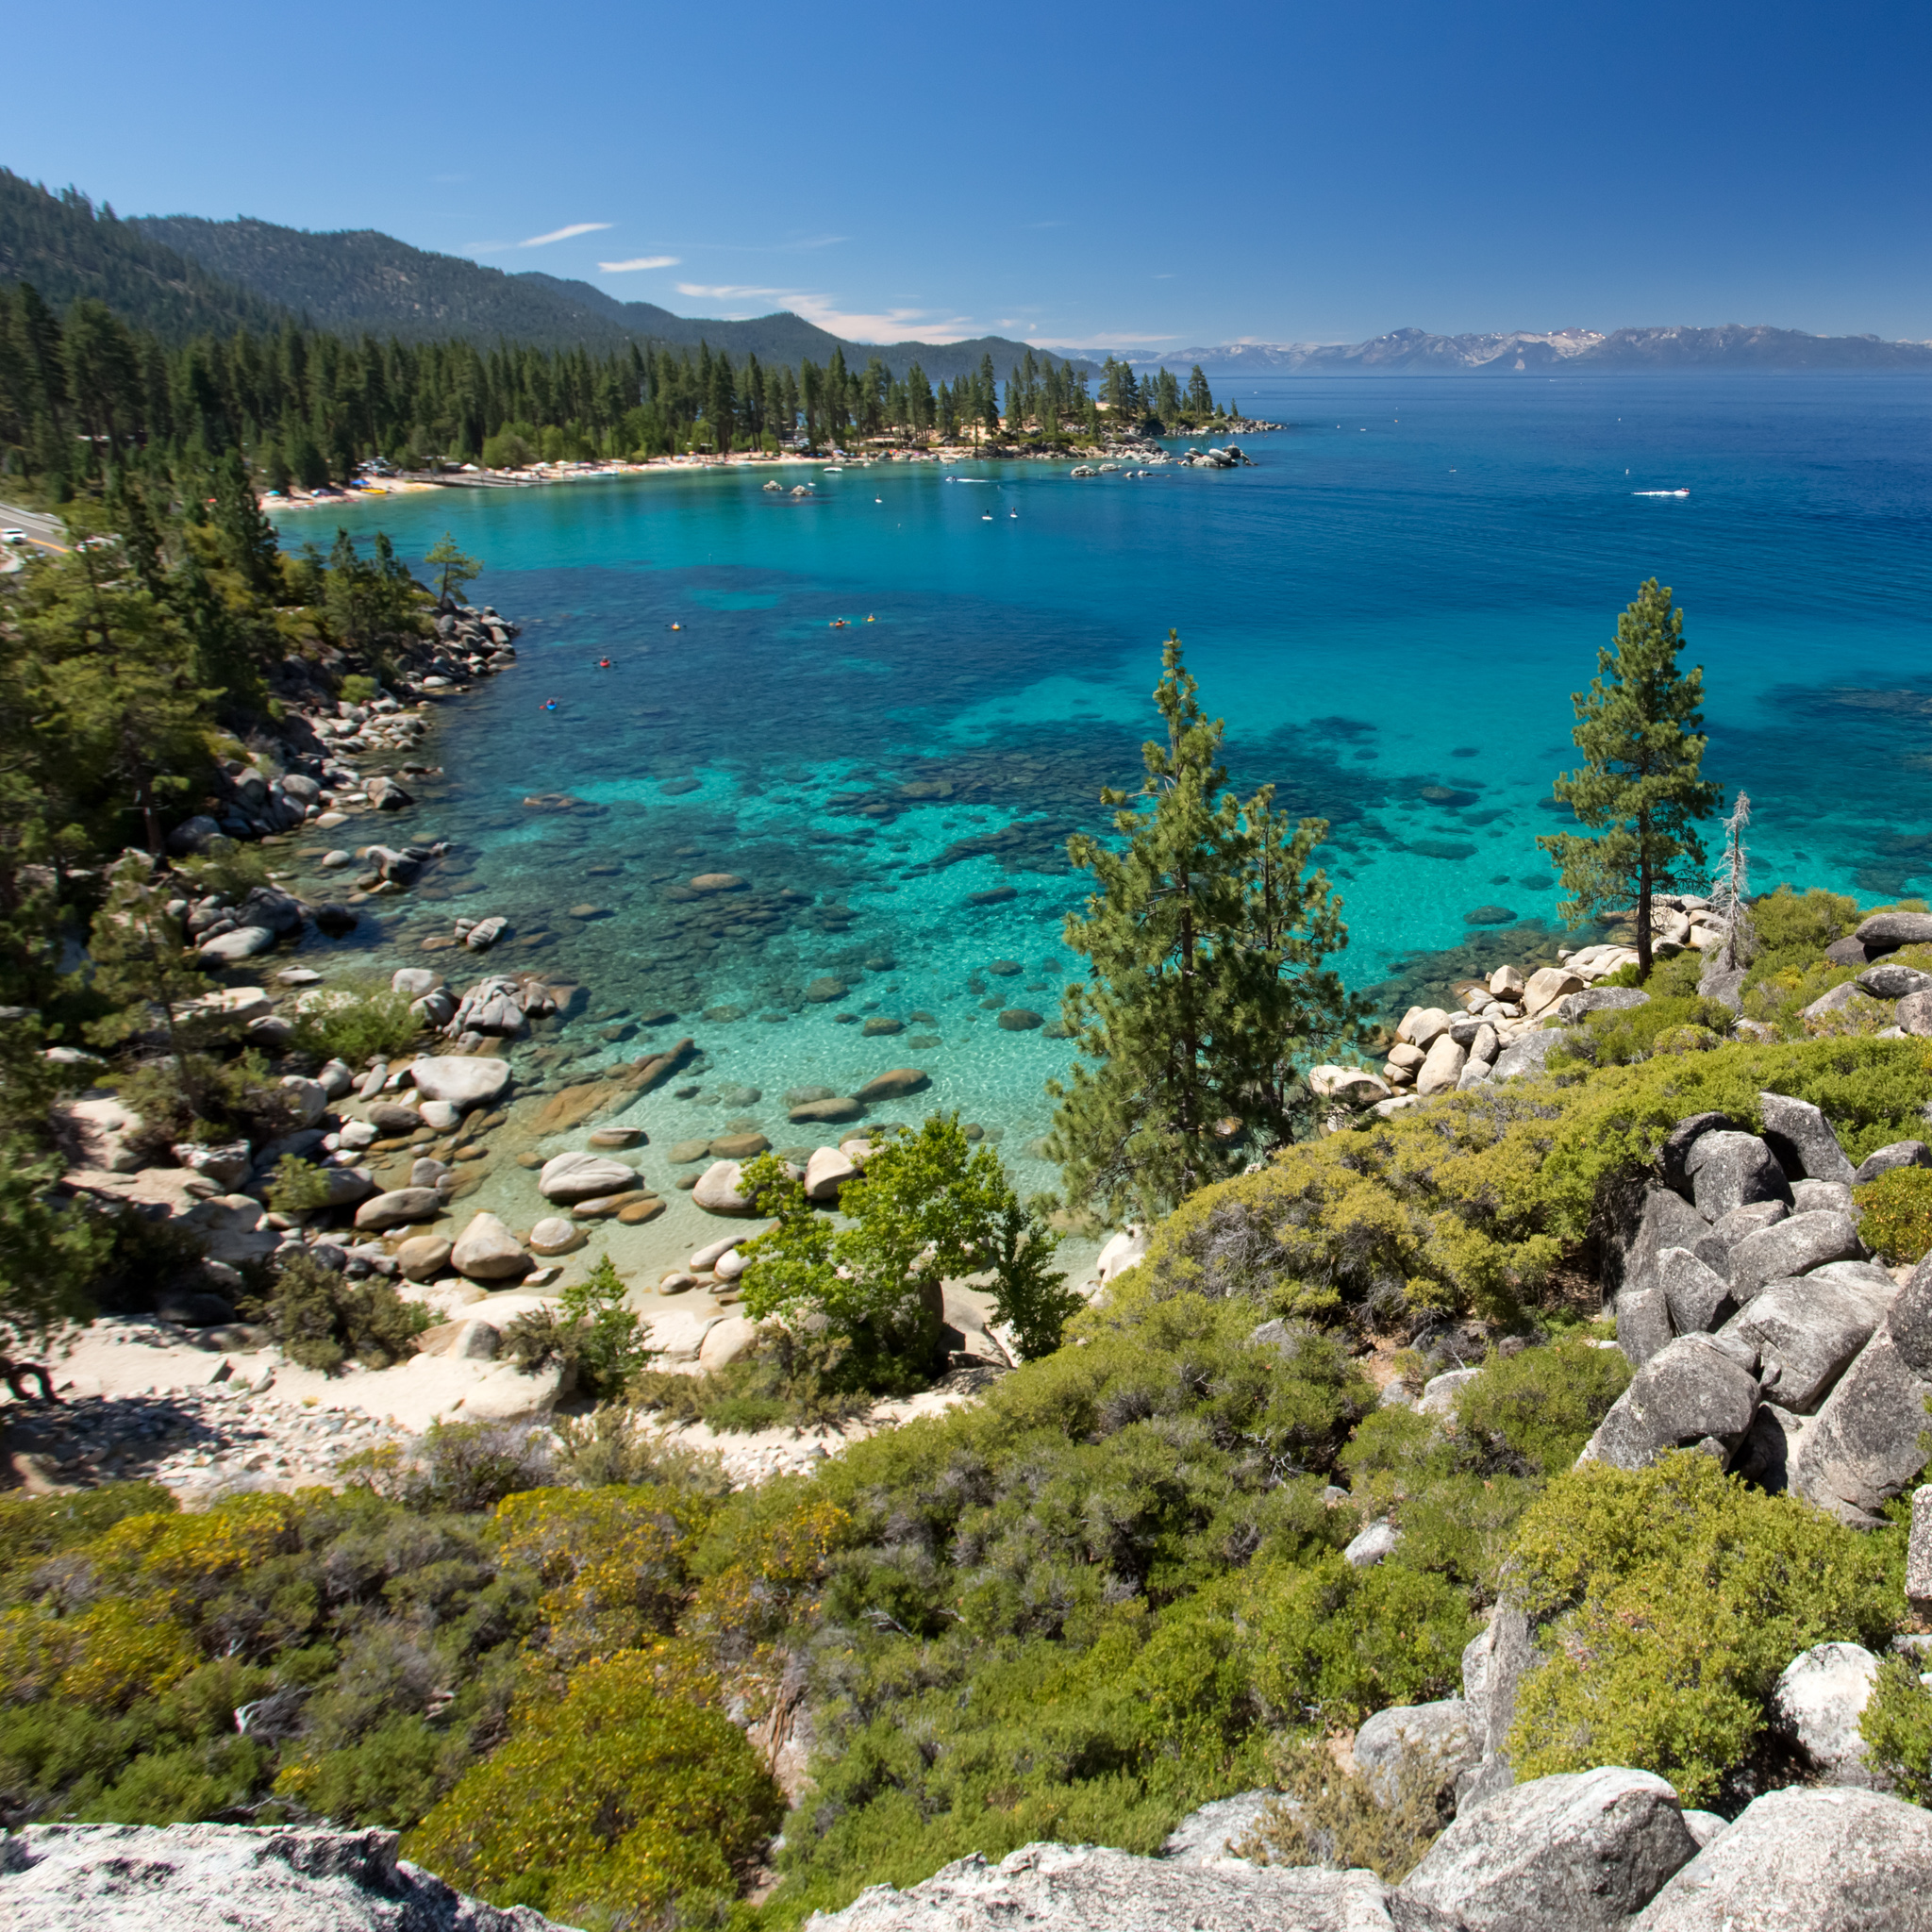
1897, 1728
1620, 1037
1327, 1816
356, 1023
591, 1333
615, 1805
1672, 1598
1472, 1202
1897, 1217
794, 1379
320, 1318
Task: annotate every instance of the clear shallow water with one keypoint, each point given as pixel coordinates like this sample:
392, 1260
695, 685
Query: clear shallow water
1393, 605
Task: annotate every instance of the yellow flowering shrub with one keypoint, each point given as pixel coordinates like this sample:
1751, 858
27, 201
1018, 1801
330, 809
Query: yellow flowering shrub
186, 1558
612, 1561
103, 1659
615, 1803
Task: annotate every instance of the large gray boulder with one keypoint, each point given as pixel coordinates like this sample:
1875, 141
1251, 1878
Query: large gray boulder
1864, 1447
1698, 1295
1795, 1246
1678, 1142
235, 1878
1050, 1888
1579, 1851
1527, 1059
1208, 1836
1802, 1138
1493, 1666
1890, 980
1886, 932
1434, 1741
1641, 1302
1714, 1249
1806, 1333
1692, 1392
1572, 1007
1803, 1859
1727, 1170
1821, 1695
1896, 1154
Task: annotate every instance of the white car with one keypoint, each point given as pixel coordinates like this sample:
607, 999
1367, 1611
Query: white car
15, 536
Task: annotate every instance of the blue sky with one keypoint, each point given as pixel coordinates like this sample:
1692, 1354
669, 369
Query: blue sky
1078, 175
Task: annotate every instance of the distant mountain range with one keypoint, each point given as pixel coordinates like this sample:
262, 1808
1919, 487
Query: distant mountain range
1525, 352
180, 276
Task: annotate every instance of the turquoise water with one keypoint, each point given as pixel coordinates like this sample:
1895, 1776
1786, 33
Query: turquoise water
1389, 609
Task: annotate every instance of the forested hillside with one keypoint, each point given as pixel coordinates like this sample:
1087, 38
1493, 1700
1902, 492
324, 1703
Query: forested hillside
69, 251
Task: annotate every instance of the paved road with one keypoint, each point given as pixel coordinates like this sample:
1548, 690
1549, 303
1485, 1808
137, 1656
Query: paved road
42, 529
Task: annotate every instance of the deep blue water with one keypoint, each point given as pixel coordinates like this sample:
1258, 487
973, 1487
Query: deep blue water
1399, 597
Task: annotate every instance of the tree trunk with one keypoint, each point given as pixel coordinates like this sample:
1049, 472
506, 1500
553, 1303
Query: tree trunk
1643, 959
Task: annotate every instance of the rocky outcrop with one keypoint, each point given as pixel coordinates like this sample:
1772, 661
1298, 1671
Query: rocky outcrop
1086, 1888
1805, 1860
242, 1878
1582, 1849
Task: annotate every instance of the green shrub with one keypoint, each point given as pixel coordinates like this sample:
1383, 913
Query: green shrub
1615, 1038
793, 1377
1898, 1213
463, 1467
591, 1333
356, 1023
298, 1186
322, 1319
1470, 1204
1897, 1729
357, 690
1673, 1597
614, 1803
1533, 1412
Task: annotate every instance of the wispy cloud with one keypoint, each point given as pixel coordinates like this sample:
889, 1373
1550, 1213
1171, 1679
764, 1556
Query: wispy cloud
890, 325
485, 247
620, 268
806, 241
567, 234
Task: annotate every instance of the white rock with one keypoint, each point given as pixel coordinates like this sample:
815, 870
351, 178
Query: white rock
717, 1191
464, 1082
244, 943
678, 1334
488, 1251
729, 1265
413, 980
100, 1129
1546, 987
310, 1099
826, 1172
584, 1177
506, 1393
1443, 1067
554, 1235
1124, 1250
1820, 1697
1378, 1540
1422, 1026
727, 1341
150, 1878
1440, 1391
441, 1115
1506, 982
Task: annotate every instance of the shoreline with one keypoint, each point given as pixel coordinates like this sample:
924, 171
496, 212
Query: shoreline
474, 476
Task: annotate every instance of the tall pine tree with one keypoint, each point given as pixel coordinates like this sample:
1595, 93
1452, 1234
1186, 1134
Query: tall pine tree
1641, 789
1205, 944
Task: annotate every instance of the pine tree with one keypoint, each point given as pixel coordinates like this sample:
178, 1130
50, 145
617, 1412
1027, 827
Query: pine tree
1205, 944
1640, 730
454, 570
